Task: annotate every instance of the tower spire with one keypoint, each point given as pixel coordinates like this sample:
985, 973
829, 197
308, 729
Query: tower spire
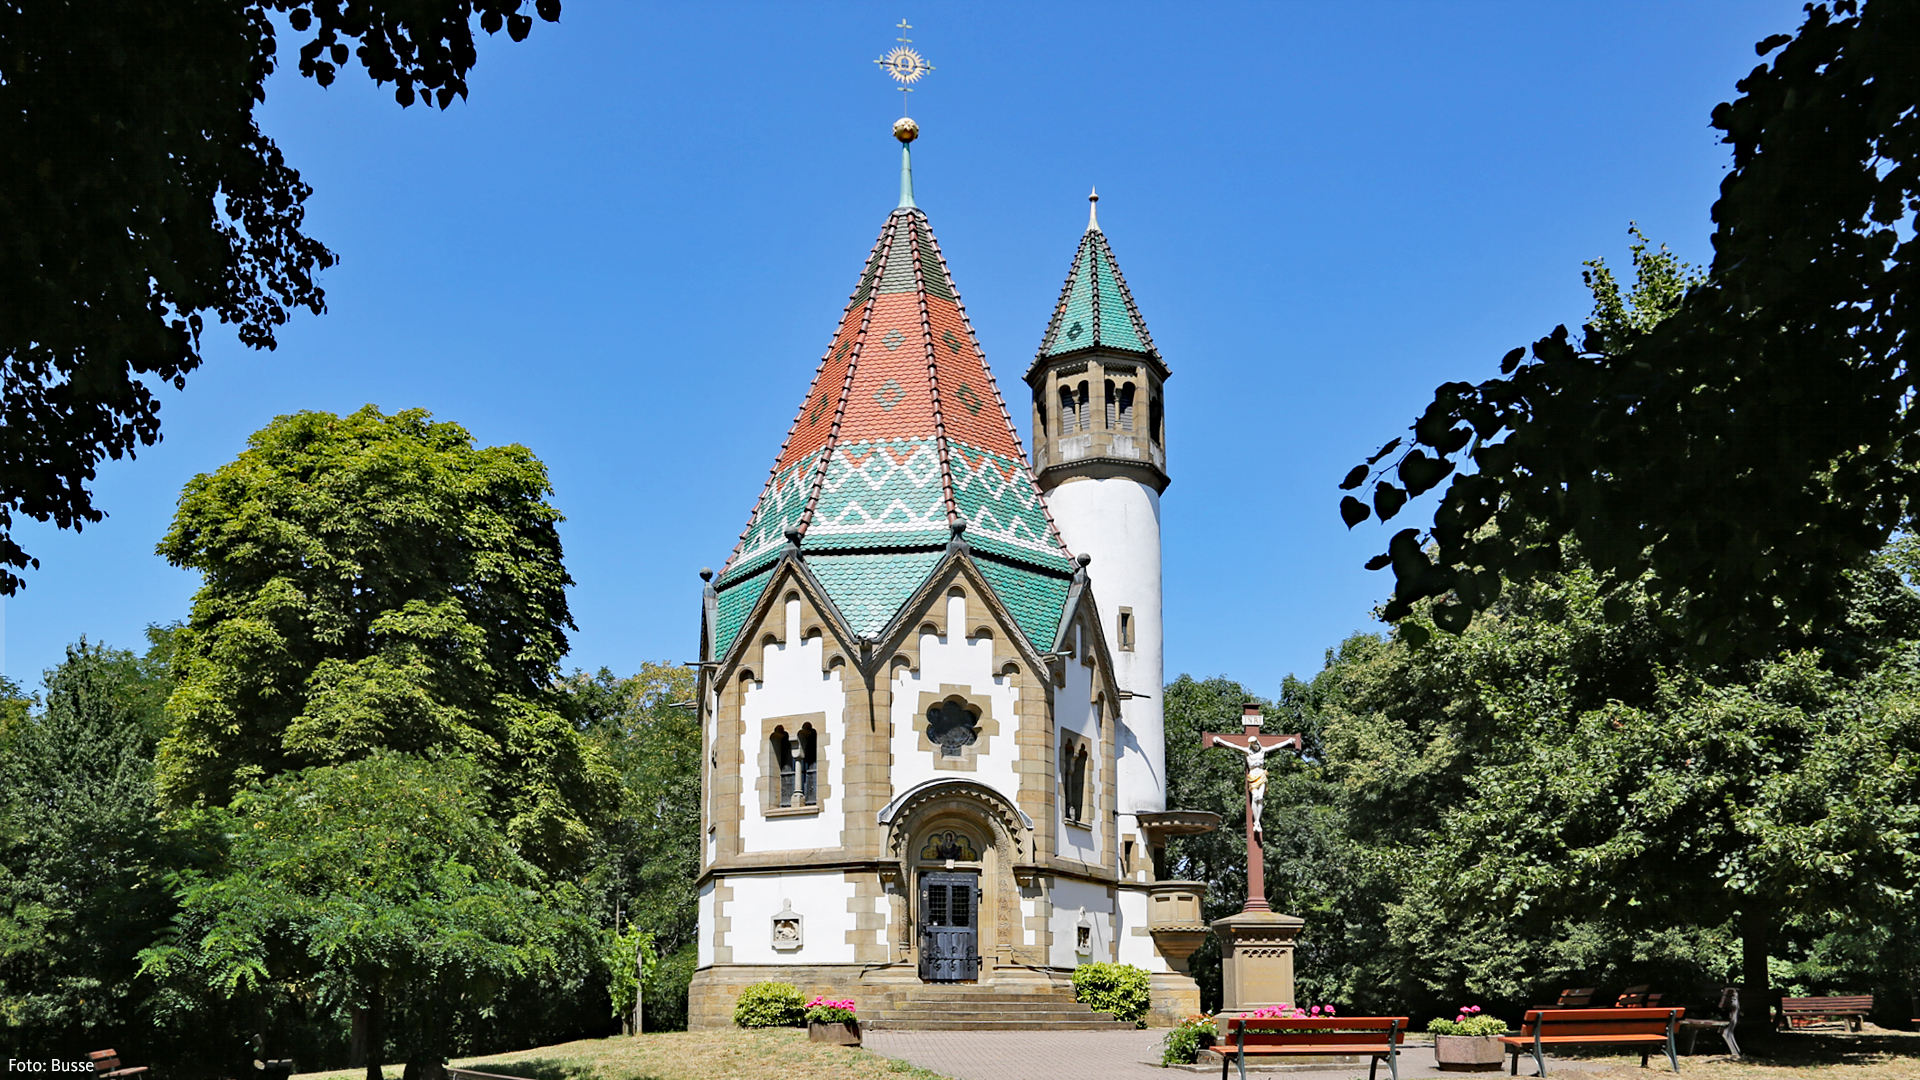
1093, 211
906, 131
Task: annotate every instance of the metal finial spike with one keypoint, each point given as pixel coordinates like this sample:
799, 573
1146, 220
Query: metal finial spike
1093, 211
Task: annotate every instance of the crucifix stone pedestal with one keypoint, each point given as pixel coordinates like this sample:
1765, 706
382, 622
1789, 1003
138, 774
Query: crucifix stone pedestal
1256, 945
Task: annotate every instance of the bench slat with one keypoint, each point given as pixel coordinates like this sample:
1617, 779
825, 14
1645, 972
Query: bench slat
1262, 1038
1330, 1023
1548, 1040
1558, 1015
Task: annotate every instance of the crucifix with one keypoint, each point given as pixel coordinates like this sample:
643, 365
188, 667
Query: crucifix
1248, 742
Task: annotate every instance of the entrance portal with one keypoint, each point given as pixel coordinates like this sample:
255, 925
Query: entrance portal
949, 926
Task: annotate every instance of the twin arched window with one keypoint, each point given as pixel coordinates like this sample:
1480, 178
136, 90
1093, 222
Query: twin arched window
1073, 409
1119, 406
1073, 781
798, 761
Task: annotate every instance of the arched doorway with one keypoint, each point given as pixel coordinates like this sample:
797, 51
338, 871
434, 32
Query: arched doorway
956, 842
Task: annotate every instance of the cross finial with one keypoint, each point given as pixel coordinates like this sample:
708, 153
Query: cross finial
1093, 211
904, 64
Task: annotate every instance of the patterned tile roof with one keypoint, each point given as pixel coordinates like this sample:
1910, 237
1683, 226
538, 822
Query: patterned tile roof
902, 441
1096, 310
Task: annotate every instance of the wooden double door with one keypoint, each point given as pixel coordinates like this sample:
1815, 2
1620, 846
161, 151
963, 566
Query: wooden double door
950, 926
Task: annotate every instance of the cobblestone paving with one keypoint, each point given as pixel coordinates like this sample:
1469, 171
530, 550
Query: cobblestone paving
1104, 1055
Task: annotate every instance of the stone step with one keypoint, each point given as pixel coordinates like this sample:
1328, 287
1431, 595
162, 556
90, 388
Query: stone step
957, 1024
911, 1013
987, 992
980, 1006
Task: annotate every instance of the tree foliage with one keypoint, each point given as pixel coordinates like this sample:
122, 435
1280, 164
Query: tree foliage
380, 884
1758, 444
646, 860
139, 197
1550, 796
378, 583
82, 851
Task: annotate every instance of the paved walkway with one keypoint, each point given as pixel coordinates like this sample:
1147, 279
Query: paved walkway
1105, 1055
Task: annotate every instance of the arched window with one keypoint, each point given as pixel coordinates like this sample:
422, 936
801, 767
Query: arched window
783, 758
1040, 412
1113, 407
1066, 410
1153, 416
1126, 407
809, 767
1080, 407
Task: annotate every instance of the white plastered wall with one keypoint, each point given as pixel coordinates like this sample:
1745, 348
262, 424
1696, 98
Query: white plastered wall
954, 660
1072, 902
1073, 711
704, 946
1136, 949
792, 684
1117, 521
821, 901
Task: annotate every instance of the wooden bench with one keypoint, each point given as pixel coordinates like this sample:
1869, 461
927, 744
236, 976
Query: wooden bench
107, 1063
1796, 1012
1637, 997
1375, 1036
1541, 1028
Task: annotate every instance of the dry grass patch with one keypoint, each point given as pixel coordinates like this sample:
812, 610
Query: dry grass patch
1874, 1054
684, 1055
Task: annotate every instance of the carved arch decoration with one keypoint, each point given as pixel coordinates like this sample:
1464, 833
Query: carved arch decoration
933, 807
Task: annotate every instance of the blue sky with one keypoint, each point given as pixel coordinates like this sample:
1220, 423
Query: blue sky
629, 248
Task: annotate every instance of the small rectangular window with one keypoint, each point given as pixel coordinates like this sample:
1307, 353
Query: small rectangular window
1126, 629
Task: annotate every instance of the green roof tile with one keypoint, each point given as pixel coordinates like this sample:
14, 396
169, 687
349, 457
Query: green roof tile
869, 588
1035, 598
1095, 308
735, 603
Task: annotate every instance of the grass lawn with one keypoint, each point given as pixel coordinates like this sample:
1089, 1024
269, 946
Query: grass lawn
683, 1055
1874, 1054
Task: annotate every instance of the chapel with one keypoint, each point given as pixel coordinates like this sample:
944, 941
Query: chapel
930, 671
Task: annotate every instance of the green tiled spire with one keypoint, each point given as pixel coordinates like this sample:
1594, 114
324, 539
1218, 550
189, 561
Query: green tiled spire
1096, 311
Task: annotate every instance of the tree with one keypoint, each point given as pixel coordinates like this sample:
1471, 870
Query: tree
1551, 795
139, 197
1741, 457
378, 583
380, 885
646, 861
82, 851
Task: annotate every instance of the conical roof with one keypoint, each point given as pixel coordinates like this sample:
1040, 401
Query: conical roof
902, 441
1095, 310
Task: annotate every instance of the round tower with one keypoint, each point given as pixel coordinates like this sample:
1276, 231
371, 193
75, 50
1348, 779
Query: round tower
1099, 453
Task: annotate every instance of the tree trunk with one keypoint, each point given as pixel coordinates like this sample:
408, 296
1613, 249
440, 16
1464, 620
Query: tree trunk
1756, 993
357, 1046
376, 1049
639, 985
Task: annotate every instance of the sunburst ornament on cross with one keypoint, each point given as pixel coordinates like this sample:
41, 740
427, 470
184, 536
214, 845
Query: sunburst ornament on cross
905, 66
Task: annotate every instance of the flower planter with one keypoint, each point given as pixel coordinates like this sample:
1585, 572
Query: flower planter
1468, 1053
846, 1033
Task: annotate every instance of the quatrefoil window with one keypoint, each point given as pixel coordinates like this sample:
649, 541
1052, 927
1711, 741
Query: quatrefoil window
952, 727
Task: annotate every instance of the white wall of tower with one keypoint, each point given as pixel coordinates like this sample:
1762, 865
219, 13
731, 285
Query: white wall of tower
1117, 521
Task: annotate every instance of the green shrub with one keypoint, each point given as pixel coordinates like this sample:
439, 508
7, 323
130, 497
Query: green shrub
1120, 989
770, 1004
1183, 1044
1471, 1021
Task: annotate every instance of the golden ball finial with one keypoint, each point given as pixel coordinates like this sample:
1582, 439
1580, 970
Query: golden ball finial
906, 130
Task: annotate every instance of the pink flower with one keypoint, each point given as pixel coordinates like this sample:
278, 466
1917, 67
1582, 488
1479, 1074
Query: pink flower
1329, 1010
